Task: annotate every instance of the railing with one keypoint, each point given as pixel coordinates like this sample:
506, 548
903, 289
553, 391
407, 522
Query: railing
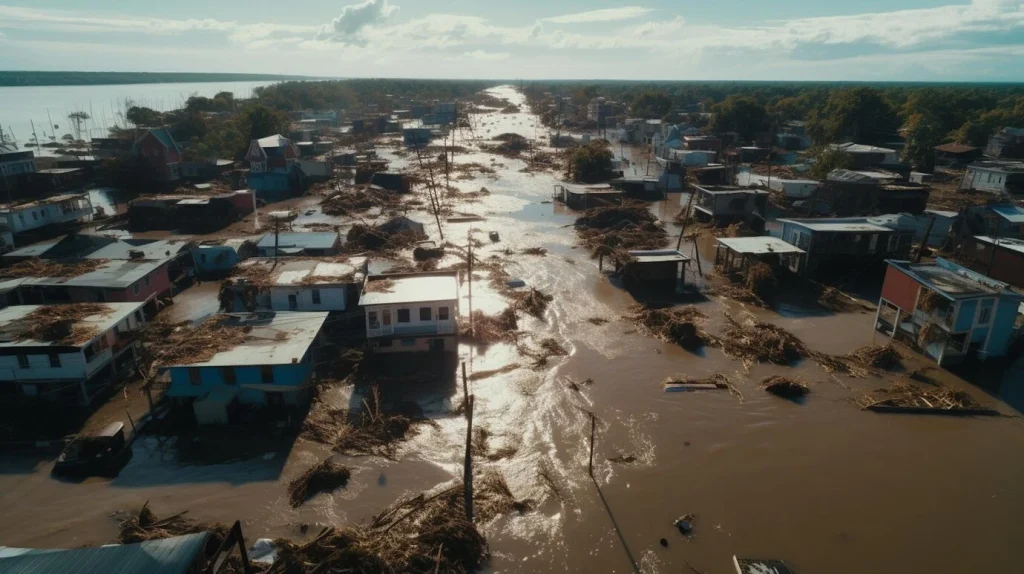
436, 328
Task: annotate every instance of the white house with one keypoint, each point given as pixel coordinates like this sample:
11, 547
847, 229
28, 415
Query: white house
995, 177
411, 312
55, 210
303, 284
71, 362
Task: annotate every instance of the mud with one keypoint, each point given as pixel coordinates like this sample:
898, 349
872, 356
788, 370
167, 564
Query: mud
820, 484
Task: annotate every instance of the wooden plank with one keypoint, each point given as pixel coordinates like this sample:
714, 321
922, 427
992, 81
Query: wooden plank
934, 411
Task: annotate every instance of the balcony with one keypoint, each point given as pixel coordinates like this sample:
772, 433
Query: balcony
418, 330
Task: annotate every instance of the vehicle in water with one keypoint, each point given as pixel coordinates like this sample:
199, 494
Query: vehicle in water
101, 454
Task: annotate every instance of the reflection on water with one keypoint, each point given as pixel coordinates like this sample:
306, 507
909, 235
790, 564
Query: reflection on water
823, 485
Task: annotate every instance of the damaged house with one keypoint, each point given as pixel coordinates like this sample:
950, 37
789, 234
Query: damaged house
46, 217
411, 312
298, 244
189, 213
296, 285
726, 204
274, 170
843, 246
947, 310
68, 354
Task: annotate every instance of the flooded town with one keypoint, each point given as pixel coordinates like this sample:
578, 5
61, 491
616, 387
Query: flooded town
515, 326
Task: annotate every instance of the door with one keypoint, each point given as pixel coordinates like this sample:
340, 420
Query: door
293, 303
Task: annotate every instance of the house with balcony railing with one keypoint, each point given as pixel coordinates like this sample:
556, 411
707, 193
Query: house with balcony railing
948, 311
408, 312
68, 362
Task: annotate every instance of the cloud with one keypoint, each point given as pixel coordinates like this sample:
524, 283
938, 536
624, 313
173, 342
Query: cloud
606, 15
347, 27
486, 56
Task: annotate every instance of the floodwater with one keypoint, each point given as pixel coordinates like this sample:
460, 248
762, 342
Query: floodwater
822, 485
46, 108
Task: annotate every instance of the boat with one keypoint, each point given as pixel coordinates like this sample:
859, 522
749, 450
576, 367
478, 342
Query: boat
100, 454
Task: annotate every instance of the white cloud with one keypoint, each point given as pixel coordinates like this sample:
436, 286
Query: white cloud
486, 56
606, 15
347, 27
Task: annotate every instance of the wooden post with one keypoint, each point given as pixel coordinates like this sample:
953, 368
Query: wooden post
696, 256
924, 242
469, 261
467, 476
593, 425
686, 214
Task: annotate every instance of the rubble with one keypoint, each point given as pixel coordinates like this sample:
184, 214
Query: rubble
322, 477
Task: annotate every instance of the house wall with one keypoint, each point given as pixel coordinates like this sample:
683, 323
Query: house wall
332, 298
900, 289
159, 282
285, 376
1003, 320
985, 180
214, 258
449, 343
415, 327
20, 220
1008, 265
965, 316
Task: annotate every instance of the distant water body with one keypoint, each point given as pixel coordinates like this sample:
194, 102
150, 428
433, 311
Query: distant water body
21, 106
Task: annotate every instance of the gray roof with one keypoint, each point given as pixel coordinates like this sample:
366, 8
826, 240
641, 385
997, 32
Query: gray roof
658, 256
309, 272
1009, 212
275, 338
412, 288
1004, 242
12, 324
759, 245
166, 556
113, 275
953, 281
322, 240
851, 225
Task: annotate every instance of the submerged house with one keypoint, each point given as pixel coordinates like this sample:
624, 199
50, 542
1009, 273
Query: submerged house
309, 244
663, 268
995, 177
640, 187
138, 281
175, 555
47, 216
844, 246
416, 137
189, 213
994, 220
215, 258
272, 366
299, 285
67, 362
411, 312
949, 311
582, 197
274, 170
735, 254
727, 204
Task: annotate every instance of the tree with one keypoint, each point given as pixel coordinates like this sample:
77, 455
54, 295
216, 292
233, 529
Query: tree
922, 132
140, 116
590, 162
259, 121
741, 114
860, 114
971, 133
827, 159
651, 105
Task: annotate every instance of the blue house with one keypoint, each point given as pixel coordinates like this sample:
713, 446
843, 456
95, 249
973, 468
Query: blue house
272, 366
949, 311
274, 171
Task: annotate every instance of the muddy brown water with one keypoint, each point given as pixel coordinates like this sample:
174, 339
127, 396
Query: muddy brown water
822, 485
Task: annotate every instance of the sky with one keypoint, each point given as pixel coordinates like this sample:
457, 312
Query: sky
865, 40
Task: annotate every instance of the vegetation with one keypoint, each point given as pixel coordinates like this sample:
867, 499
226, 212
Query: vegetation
741, 114
25, 78
351, 93
858, 114
590, 162
651, 104
828, 159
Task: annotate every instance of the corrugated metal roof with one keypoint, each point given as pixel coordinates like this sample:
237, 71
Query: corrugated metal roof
1009, 212
166, 556
311, 240
759, 245
274, 141
305, 271
412, 288
114, 275
275, 338
1005, 242
658, 256
852, 225
13, 324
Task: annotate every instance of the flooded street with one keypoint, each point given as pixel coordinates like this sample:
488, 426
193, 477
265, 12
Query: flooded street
823, 485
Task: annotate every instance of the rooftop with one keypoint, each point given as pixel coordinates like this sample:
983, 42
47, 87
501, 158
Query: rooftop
658, 256
951, 280
275, 338
1006, 242
114, 274
729, 189
274, 141
1009, 212
299, 241
866, 177
759, 245
850, 147
173, 555
849, 224
955, 148
310, 271
1008, 166
42, 201
13, 323
410, 288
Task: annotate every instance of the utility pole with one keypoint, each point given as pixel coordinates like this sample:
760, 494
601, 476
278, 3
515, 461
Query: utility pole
686, 215
469, 261
467, 468
34, 136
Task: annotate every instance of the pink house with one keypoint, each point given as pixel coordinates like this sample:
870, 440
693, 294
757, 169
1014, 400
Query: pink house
157, 148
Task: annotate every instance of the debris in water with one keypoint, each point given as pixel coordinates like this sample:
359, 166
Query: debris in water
534, 251
478, 375
714, 382
489, 329
681, 326
323, 477
754, 341
598, 321
910, 398
878, 356
685, 524
623, 459
375, 433
786, 387
146, 526
533, 302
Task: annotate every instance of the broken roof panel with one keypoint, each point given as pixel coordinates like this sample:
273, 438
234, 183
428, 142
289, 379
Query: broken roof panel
175, 555
13, 324
309, 240
275, 338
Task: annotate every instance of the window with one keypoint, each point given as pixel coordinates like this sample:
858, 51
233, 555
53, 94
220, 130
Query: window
316, 296
408, 342
442, 313
985, 314
386, 315
425, 314
194, 376
54, 360
894, 242
293, 303
117, 330
267, 374
23, 361
403, 315
135, 288
228, 374
371, 316
147, 280
35, 216
138, 316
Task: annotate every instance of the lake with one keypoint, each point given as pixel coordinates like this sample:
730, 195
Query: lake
20, 106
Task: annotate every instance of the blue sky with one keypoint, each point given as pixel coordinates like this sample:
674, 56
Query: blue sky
898, 40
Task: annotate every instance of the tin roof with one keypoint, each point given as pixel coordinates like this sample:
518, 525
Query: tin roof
951, 280
851, 225
658, 256
759, 245
1009, 212
115, 274
275, 338
1005, 242
6, 207
165, 556
310, 271
410, 288
13, 324
300, 241
955, 148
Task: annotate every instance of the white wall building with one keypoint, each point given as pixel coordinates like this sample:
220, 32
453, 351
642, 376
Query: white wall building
411, 312
304, 284
55, 210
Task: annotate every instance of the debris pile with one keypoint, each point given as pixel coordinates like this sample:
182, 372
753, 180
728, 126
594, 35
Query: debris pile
374, 433
323, 477
754, 341
761, 281
929, 300
146, 526
908, 395
785, 387
362, 237
533, 302
833, 300
878, 356
357, 200
681, 326
511, 145
59, 323
185, 344
47, 268
716, 381
620, 228
489, 329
